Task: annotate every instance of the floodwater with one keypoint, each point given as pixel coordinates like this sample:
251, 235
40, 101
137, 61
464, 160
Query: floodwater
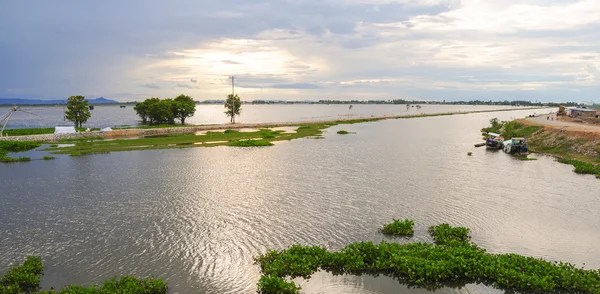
197, 216
113, 115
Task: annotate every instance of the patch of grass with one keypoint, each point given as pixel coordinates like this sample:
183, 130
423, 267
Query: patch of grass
229, 131
53, 145
28, 132
48, 157
446, 234
343, 132
469, 153
399, 228
16, 146
429, 266
26, 279
250, 143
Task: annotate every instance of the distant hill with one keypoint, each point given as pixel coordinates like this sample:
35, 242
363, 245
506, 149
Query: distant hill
20, 101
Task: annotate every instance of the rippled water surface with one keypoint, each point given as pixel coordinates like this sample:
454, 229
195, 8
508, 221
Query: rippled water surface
197, 216
113, 115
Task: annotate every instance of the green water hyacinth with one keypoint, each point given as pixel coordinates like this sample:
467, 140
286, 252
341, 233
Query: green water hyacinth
399, 227
453, 259
446, 234
25, 278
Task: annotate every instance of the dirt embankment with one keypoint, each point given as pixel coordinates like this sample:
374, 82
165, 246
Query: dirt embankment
566, 141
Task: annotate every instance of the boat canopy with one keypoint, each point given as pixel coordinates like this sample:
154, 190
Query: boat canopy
493, 134
64, 129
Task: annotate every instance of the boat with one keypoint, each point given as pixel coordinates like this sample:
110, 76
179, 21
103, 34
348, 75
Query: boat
515, 145
494, 141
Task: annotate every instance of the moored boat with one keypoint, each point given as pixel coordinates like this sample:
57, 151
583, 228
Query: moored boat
494, 141
515, 145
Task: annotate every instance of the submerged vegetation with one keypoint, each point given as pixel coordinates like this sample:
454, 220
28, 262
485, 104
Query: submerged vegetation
343, 132
399, 228
250, 143
452, 259
25, 278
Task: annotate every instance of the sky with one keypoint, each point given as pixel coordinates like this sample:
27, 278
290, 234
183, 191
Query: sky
537, 50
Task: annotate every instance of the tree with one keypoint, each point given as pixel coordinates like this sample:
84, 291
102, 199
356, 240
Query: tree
77, 110
233, 106
183, 107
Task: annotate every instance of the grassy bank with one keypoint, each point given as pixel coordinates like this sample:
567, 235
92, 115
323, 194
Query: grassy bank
582, 152
452, 259
574, 148
25, 278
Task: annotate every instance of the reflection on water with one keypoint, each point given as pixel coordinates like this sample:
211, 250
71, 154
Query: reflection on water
112, 115
197, 216
323, 282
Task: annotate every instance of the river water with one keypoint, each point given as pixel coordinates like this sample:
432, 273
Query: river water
113, 115
197, 216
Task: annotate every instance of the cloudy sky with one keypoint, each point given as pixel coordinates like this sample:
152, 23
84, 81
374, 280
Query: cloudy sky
544, 50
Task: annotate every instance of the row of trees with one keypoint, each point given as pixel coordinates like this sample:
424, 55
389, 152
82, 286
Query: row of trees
157, 111
153, 110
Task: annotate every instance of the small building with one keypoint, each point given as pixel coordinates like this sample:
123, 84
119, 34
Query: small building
583, 113
64, 130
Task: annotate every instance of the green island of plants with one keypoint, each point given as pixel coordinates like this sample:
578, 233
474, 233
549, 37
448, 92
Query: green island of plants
451, 259
399, 228
343, 132
16, 146
25, 278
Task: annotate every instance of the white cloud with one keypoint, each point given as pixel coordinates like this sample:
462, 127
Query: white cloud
434, 49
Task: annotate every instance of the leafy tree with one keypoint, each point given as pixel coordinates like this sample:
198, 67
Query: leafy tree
161, 111
77, 110
183, 107
156, 111
233, 106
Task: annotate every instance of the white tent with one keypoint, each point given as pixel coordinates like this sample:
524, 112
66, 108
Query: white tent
64, 130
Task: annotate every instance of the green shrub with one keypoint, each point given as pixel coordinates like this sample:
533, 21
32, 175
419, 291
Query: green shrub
399, 228
48, 157
229, 131
270, 285
469, 153
250, 143
446, 234
343, 132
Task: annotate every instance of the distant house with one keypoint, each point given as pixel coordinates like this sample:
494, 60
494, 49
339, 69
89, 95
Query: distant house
583, 113
64, 130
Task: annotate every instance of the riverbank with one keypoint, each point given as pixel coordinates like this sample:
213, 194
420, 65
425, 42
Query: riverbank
578, 146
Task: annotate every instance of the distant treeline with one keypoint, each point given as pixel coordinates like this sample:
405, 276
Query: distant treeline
471, 102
